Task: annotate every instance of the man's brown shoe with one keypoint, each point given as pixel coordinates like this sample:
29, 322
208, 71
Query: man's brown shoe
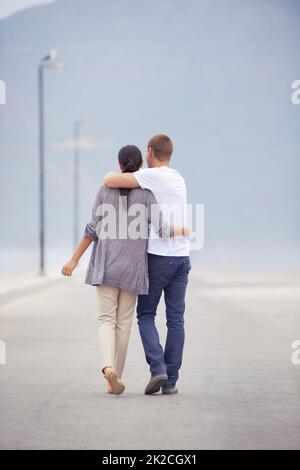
155, 384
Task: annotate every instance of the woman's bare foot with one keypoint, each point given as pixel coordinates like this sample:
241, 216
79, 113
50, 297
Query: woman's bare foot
108, 386
109, 389
114, 384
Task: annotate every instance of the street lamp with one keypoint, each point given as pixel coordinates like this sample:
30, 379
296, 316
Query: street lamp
76, 135
47, 62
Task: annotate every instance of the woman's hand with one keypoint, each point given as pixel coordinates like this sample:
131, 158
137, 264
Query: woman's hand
69, 267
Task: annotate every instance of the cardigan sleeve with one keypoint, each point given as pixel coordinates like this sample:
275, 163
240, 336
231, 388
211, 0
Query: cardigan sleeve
91, 227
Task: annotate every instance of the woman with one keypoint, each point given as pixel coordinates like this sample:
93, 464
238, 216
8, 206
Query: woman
118, 266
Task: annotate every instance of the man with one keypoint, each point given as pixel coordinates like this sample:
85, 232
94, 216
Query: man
169, 265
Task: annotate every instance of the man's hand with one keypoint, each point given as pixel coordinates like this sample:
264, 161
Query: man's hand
69, 267
186, 232
181, 231
121, 180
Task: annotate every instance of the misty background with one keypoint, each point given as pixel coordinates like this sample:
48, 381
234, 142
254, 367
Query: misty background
214, 75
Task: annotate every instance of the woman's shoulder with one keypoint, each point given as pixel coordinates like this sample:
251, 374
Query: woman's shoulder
105, 191
144, 195
139, 192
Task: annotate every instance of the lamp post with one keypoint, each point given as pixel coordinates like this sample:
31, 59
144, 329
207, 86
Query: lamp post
47, 62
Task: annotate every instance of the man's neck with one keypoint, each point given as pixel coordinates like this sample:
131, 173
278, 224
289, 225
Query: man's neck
158, 164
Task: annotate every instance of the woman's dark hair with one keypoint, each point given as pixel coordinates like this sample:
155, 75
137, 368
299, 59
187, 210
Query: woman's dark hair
130, 157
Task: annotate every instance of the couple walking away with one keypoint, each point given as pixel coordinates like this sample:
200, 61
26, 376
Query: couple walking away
141, 264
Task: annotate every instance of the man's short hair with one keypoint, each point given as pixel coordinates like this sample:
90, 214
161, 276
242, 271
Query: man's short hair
161, 146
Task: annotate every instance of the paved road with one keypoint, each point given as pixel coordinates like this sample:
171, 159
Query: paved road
238, 387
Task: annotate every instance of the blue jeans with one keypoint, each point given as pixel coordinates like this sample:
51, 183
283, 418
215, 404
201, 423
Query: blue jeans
168, 274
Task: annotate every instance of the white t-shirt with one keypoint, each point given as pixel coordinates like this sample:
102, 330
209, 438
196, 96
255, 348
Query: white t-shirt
169, 189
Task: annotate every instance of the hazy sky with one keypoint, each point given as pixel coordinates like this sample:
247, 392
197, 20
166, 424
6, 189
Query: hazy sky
214, 75
8, 7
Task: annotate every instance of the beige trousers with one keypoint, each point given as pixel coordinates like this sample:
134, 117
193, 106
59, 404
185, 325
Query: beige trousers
115, 314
